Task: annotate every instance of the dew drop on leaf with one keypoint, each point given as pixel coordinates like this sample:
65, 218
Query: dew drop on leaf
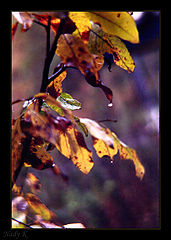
110, 105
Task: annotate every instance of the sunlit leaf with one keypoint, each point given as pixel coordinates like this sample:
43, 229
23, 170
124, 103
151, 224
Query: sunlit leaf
100, 42
119, 24
98, 132
106, 143
81, 20
72, 145
68, 102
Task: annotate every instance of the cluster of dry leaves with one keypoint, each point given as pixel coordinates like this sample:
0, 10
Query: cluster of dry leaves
84, 39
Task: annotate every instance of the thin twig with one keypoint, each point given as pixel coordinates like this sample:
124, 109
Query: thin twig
50, 56
108, 120
48, 36
21, 222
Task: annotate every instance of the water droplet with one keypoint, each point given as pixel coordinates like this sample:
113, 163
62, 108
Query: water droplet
110, 104
111, 161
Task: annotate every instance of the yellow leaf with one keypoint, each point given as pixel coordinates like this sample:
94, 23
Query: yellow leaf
106, 143
102, 149
74, 52
122, 56
72, 145
129, 153
119, 24
98, 132
38, 207
100, 42
81, 21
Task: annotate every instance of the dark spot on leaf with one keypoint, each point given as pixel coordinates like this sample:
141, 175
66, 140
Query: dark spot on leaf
81, 49
84, 62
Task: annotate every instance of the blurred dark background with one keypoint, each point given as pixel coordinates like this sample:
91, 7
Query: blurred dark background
110, 196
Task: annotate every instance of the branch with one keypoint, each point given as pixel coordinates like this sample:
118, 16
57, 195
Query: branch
50, 56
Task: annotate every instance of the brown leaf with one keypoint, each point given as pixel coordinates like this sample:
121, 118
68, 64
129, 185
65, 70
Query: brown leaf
69, 26
17, 147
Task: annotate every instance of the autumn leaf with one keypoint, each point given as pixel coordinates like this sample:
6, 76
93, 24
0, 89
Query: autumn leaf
81, 21
36, 155
74, 53
129, 153
106, 143
72, 145
55, 87
100, 42
119, 24
55, 20
19, 211
98, 132
17, 147
39, 208
33, 182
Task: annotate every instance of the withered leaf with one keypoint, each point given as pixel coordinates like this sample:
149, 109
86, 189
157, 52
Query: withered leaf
101, 42
17, 147
36, 156
69, 26
55, 87
74, 53
72, 145
106, 143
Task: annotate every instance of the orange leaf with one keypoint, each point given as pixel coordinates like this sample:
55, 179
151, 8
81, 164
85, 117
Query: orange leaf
55, 87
